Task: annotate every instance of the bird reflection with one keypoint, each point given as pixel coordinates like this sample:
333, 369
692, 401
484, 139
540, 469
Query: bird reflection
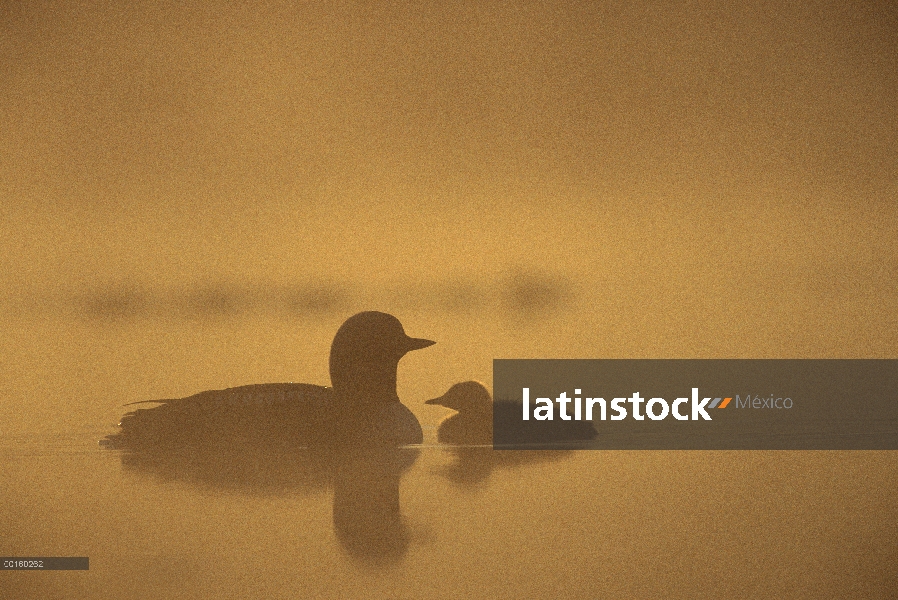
367, 517
288, 437
469, 435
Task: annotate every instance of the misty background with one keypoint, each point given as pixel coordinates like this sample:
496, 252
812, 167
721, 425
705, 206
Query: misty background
533, 180
194, 195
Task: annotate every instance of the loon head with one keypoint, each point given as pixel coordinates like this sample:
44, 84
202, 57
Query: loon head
365, 353
468, 397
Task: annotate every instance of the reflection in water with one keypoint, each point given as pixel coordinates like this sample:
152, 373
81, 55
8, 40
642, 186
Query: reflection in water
282, 437
240, 467
469, 433
367, 517
365, 481
474, 465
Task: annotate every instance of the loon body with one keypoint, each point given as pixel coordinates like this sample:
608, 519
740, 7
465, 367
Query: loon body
360, 407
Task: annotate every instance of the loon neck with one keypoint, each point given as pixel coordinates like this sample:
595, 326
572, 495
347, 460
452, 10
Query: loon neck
364, 378
371, 387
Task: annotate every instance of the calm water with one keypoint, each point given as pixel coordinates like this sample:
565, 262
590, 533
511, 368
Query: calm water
589, 524
92, 321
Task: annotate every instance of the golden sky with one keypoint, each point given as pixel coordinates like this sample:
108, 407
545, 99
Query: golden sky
179, 104
676, 168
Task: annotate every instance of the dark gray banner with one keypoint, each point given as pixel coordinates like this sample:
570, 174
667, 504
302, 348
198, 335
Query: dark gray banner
742, 404
45, 563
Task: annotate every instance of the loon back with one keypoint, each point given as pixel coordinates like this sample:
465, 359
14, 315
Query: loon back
272, 413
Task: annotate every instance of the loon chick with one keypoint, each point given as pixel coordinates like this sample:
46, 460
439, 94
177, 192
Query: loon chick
477, 413
470, 431
472, 424
361, 407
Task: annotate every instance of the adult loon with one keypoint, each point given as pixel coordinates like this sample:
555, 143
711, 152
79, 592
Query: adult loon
361, 407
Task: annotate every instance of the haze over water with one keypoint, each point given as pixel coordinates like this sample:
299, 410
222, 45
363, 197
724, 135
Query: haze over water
195, 198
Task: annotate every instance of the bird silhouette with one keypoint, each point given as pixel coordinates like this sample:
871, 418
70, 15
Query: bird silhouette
468, 434
477, 414
472, 424
361, 407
